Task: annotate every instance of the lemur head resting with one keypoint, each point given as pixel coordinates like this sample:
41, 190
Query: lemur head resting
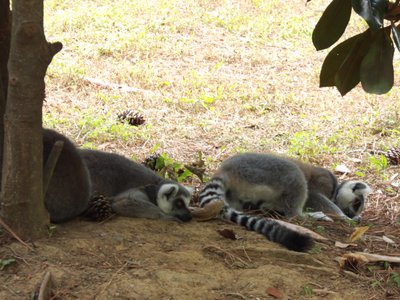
351, 196
173, 199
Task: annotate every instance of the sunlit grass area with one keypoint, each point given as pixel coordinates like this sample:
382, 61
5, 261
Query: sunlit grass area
218, 77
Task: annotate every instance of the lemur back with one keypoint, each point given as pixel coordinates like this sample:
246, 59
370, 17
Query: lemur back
69, 189
268, 182
112, 173
257, 181
260, 181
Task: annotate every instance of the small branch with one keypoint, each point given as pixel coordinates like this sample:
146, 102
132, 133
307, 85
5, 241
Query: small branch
51, 164
10, 231
45, 287
122, 87
110, 281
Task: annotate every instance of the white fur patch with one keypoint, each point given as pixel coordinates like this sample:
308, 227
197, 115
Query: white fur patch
346, 195
166, 191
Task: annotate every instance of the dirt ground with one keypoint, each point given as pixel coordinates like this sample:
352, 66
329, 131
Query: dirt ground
126, 258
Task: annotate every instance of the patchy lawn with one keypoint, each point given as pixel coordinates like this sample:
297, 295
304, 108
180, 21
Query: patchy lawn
212, 77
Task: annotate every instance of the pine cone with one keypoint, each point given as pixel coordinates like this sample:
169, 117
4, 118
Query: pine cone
99, 208
393, 156
151, 161
131, 117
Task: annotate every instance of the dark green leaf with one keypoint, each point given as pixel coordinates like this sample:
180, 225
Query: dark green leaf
396, 36
332, 24
334, 60
341, 66
372, 11
348, 75
376, 70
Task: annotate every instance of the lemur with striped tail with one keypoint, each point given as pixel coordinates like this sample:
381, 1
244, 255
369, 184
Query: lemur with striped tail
253, 181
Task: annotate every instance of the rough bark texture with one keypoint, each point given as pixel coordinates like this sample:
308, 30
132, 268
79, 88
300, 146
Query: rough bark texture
5, 34
22, 205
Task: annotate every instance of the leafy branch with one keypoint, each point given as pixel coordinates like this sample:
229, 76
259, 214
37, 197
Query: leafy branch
366, 57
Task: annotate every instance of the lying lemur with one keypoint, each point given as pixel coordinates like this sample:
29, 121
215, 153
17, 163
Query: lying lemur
268, 182
135, 190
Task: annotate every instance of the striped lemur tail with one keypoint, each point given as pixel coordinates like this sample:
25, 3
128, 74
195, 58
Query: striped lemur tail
271, 229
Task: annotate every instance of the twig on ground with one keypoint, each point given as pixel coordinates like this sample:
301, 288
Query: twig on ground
10, 231
122, 87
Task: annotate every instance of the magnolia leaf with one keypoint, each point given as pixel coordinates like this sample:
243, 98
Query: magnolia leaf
334, 60
358, 232
372, 11
332, 24
396, 36
348, 74
376, 71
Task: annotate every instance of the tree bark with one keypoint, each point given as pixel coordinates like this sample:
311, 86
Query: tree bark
22, 205
5, 35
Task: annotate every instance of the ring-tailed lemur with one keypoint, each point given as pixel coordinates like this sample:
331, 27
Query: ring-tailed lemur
264, 181
135, 190
344, 201
69, 189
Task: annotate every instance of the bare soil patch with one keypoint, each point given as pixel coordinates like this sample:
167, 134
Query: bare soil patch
147, 259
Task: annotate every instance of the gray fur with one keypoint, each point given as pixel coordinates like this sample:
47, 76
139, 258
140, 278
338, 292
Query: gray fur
262, 181
136, 190
253, 181
69, 189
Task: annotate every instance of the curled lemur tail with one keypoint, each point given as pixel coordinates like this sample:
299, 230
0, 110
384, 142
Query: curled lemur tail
272, 230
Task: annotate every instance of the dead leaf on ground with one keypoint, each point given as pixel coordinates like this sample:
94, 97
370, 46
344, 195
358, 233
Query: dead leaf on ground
343, 245
275, 293
227, 233
388, 240
358, 232
208, 212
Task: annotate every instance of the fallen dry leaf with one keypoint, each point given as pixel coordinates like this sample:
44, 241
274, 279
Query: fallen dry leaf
208, 212
227, 233
342, 169
274, 292
343, 245
358, 232
388, 240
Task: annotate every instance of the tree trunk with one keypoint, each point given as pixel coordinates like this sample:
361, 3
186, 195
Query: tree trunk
5, 34
22, 205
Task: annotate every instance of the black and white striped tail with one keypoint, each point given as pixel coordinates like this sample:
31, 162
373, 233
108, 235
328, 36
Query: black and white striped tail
213, 191
272, 230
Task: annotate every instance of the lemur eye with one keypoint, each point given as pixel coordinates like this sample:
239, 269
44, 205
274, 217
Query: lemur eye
179, 203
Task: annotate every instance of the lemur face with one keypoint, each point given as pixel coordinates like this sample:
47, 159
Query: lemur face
351, 197
173, 199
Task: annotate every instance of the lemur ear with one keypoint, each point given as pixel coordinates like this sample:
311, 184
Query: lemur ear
361, 188
168, 190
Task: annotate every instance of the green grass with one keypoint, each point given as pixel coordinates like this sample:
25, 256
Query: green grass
214, 76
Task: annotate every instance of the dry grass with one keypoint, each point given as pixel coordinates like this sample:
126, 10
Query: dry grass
217, 77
